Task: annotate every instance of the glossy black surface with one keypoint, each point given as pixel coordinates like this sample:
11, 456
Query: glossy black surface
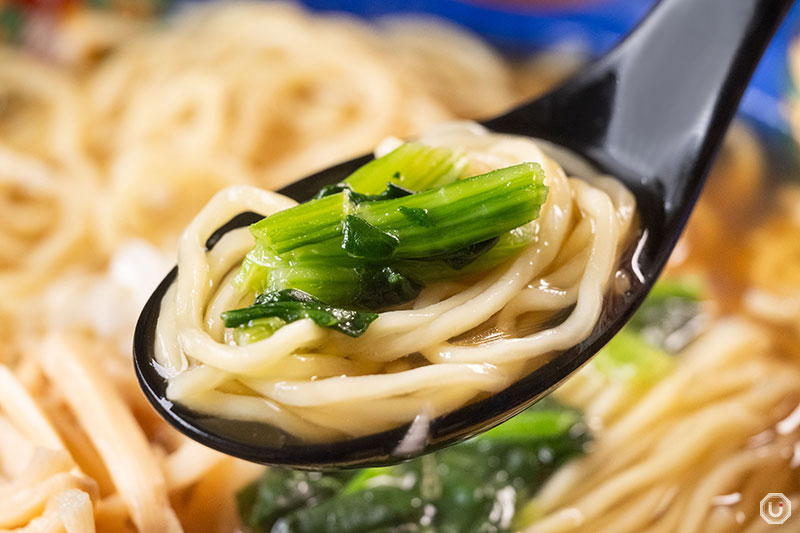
652, 112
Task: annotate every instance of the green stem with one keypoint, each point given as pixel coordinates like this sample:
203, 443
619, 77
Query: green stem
412, 166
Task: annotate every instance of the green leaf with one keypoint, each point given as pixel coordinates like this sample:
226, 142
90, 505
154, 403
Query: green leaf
628, 357
362, 239
416, 215
463, 257
291, 305
392, 191
386, 287
461, 483
534, 424
671, 315
257, 330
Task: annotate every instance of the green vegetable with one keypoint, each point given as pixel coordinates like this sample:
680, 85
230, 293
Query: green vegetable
392, 191
362, 239
471, 260
279, 491
416, 215
457, 215
333, 284
369, 244
671, 316
359, 512
256, 330
628, 357
461, 258
457, 489
362, 479
307, 223
291, 305
412, 166
321, 269
462, 213
542, 421
667, 320
385, 287
335, 281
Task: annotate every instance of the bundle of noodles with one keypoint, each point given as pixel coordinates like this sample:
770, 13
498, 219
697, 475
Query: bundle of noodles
693, 454
109, 444
43, 486
319, 385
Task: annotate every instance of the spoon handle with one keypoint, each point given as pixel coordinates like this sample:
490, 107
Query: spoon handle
657, 106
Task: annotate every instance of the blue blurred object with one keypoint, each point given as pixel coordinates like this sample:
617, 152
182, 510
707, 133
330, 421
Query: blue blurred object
516, 28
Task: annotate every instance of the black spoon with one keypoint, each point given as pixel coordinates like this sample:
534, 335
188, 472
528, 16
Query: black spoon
652, 112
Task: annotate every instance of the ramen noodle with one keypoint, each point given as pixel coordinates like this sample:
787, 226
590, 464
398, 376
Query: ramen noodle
106, 156
573, 255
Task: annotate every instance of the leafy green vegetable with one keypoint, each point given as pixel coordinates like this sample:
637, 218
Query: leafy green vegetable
385, 287
291, 304
457, 215
334, 284
362, 239
462, 213
416, 215
628, 357
370, 243
412, 166
547, 420
392, 191
359, 512
256, 330
461, 258
307, 223
461, 489
667, 320
671, 316
280, 491
362, 479
336, 281
470, 260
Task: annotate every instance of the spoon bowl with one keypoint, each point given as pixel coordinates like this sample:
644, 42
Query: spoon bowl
652, 113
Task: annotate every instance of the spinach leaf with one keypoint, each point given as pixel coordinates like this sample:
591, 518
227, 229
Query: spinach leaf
462, 489
386, 287
291, 304
416, 215
392, 191
461, 258
363, 240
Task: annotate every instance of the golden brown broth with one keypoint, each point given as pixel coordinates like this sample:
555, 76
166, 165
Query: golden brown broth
733, 208
744, 235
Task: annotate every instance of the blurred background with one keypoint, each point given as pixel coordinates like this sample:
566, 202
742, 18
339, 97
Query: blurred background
517, 28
